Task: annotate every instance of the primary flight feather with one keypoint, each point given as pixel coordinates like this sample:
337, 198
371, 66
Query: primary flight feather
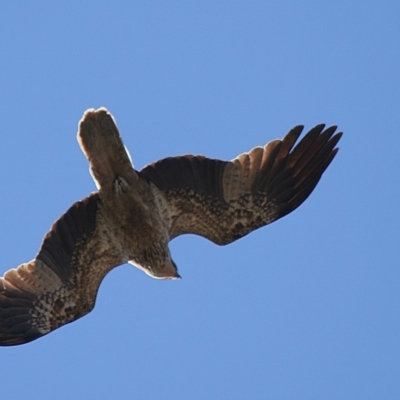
134, 214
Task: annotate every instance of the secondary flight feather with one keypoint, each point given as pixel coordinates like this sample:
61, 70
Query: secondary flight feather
134, 214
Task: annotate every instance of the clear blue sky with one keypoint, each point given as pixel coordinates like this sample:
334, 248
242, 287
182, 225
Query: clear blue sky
307, 308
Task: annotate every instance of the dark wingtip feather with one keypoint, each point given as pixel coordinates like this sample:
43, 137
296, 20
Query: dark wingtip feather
303, 169
15, 326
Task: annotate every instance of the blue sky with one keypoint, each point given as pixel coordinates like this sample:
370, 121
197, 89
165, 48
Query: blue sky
307, 308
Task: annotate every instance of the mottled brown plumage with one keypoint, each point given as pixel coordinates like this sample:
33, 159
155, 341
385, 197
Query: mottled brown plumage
133, 216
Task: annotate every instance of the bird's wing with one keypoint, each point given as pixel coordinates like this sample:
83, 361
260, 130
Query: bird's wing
61, 283
224, 201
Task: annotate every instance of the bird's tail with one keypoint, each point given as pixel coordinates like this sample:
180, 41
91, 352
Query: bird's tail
101, 143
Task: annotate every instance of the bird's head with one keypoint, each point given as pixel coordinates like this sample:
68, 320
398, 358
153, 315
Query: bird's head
157, 264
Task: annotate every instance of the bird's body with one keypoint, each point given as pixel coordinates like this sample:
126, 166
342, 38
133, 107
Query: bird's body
134, 214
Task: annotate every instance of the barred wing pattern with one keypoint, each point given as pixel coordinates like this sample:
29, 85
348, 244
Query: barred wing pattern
223, 201
61, 283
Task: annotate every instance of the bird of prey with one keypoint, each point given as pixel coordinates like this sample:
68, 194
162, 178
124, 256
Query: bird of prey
134, 214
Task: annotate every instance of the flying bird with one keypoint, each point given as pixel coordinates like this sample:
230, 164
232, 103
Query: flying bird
134, 214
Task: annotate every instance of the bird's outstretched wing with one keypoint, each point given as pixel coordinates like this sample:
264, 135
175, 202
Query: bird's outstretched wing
224, 201
61, 283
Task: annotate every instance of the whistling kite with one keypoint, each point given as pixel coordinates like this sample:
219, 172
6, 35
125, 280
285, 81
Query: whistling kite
133, 216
